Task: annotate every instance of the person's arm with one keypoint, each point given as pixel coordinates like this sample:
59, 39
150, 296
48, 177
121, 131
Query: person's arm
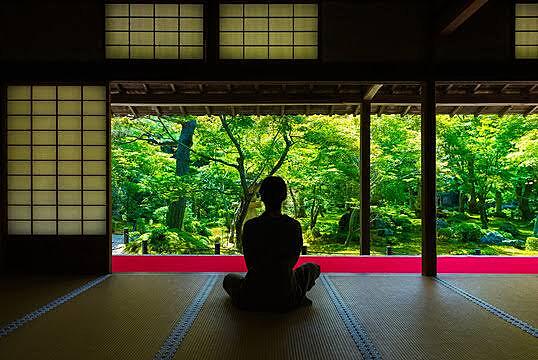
298, 240
245, 241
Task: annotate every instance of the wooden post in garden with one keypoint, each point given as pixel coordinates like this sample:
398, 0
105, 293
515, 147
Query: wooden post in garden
365, 177
428, 198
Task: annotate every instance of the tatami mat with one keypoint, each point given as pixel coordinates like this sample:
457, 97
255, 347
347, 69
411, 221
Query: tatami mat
223, 332
23, 294
412, 317
515, 294
124, 317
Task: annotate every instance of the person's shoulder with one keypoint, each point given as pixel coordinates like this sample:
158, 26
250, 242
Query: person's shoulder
292, 221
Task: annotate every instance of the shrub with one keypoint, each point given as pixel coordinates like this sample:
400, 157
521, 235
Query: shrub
468, 232
520, 244
160, 214
509, 228
445, 234
458, 217
531, 243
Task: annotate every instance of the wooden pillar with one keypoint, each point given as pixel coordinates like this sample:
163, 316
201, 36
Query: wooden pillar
3, 176
365, 177
428, 208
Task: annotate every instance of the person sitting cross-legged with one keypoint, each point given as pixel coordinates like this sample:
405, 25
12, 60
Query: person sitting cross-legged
272, 243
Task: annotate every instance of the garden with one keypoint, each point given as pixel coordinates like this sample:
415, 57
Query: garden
181, 184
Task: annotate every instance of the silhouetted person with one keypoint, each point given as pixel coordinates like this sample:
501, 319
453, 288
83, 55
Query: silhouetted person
271, 245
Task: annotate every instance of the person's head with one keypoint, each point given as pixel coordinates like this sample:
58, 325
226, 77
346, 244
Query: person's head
273, 191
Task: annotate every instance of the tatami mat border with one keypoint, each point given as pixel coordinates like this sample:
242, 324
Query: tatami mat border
183, 324
356, 330
14, 325
492, 309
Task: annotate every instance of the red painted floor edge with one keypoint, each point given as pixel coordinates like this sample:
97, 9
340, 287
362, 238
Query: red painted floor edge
342, 264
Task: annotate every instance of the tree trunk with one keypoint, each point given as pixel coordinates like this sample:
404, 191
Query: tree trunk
354, 226
301, 213
295, 204
176, 209
535, 232
473, 206
239, 220
482, 212
461, 201
523, 193
498, 203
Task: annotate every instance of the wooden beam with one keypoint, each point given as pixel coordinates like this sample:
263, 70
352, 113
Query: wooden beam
372, 91
530, 110
504, 111
133, 111
318, 99
455, 111
463, 15
365, 178
428, 195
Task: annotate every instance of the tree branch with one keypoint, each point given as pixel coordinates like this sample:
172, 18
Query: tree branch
207, 156
241, 159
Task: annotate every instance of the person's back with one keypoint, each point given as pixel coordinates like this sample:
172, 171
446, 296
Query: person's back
271, 244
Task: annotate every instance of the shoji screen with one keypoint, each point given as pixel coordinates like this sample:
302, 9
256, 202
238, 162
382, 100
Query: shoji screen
57, 160
154, 31
268, 31
526, 31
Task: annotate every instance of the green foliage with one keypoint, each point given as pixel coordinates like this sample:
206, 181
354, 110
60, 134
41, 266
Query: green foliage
531, 243
479, 157
468, 232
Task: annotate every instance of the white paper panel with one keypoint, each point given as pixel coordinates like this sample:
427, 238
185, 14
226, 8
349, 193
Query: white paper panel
69, 212
44, 212
69, 182
44, 167
94, 198
44, 107
95, 122
19, 227
69, 167
44, 197
94, 212
44, 183
18, 137
18, 182
18, 92
94, 138
19, 197
69, 137
94, 152
43, 92
94, 168
68, 123
69, 153
69, 197
19, 107
19, 167
94, 227
191, 52
94, 182
40, 137
69, 92
45, 227
46, 122
18, 152
69, 227
15, 122
19, 212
